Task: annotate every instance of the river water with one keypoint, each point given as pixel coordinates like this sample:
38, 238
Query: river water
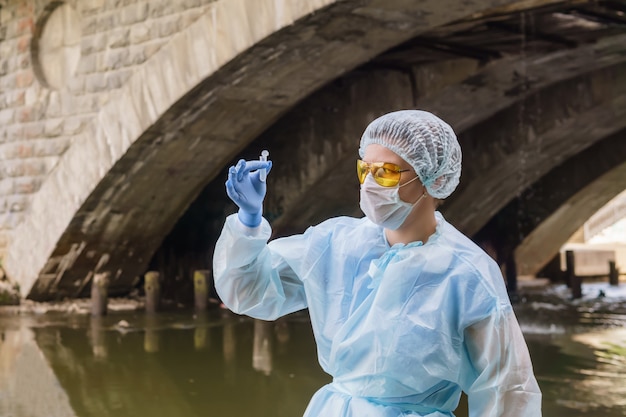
178, 363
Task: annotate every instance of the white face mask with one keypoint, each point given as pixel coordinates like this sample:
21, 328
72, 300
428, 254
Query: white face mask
383, 206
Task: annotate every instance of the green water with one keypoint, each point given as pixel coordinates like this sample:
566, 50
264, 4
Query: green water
219, 364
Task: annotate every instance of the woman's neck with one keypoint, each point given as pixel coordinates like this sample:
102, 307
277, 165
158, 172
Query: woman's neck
419, 226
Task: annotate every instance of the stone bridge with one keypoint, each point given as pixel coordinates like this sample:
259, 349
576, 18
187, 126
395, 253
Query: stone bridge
118, 119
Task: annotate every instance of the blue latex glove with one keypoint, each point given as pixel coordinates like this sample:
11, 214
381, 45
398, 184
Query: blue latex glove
247, 190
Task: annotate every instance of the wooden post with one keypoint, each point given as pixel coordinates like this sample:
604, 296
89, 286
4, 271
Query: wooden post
201, 289
577, 286
99, 293
573, 281
613, 274
569, 267
152, 288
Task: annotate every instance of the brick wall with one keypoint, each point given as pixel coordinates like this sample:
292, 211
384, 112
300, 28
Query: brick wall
37, 123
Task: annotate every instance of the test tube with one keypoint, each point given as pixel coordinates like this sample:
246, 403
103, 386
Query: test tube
263, 172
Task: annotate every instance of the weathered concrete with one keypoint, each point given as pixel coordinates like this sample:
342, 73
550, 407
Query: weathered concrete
531, 138
610, 214
312, 179
506, 81
565, 198
210, 89
319, 154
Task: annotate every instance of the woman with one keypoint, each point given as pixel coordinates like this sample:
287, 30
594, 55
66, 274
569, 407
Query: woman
406, 311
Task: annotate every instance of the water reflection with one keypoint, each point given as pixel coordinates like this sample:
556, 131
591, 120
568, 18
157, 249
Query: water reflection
152, 334
166, 365
588, 375
262, 347
201, 338
96, 337
28, 386
215, 363
582, 370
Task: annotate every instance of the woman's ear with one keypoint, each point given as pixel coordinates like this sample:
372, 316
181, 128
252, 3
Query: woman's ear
438, 182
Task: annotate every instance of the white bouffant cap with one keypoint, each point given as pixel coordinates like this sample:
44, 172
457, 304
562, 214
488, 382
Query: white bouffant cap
423, 140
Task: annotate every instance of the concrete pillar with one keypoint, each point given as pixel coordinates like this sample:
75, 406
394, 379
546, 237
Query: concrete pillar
152, 288
99, 293
201, 289
613, 274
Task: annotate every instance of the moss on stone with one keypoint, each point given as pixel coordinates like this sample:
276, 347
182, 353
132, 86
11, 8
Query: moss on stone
9, 294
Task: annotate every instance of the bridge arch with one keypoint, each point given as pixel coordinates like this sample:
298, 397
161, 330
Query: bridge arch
585, 183
535, 135
557, 121
182, 115
510, 141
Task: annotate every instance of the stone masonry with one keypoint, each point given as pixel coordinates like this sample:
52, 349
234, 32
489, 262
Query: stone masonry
38, 124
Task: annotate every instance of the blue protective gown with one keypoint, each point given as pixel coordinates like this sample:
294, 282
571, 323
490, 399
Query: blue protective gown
402, 329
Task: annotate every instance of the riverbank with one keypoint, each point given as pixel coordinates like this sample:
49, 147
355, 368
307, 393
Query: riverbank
76, 306
551, 310
595, 294
539, 295
82, 306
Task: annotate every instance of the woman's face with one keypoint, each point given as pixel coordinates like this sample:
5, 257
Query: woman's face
411, 192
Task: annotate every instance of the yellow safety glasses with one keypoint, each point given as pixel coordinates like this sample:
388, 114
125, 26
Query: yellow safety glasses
384, 173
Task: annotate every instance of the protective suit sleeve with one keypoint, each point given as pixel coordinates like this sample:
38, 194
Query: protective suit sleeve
499, 380
251, 278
